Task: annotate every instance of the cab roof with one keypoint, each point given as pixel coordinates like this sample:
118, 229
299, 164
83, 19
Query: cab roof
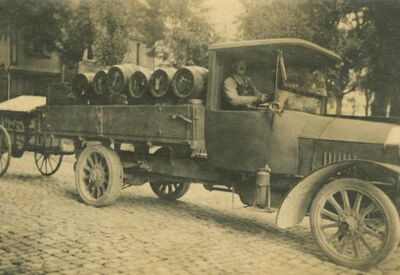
295, 51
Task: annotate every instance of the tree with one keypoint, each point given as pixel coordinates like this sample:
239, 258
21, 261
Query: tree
37, 21
178, 31
77, 33
111, 31
373, 29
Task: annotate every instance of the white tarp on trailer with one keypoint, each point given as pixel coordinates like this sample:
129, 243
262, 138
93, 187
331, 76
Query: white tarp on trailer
24, 103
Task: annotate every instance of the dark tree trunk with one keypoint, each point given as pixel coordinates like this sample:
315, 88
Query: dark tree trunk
368, 96
395, 104
378, 107
339, 104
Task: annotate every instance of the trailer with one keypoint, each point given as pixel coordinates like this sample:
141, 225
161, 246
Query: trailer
21, 131
286, 153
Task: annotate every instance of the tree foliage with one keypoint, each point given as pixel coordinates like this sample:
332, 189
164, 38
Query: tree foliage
77, 33
111, 31
373, 33
37, 21
179, 31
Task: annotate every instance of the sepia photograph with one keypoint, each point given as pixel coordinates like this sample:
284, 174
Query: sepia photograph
199, 137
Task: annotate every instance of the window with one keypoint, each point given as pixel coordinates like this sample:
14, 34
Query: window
258, 76
301, 89
36, 47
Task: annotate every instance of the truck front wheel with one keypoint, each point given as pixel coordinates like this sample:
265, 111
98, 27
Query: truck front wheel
98, 175
354, 223
169, 190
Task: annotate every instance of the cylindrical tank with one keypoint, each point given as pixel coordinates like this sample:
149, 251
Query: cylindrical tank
118, 77
190, 82
139, 83
100, 87
262, 186
160, 81
82, 86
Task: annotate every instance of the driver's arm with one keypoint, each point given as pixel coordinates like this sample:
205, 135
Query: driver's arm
261, 97
230, 92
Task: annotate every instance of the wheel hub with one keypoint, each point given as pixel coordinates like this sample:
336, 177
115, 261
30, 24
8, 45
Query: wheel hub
351, 223
97, 175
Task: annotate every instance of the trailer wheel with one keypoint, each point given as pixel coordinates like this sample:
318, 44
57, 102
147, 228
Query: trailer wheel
354, 223
5, 150
48, 164
169, 190
98, 175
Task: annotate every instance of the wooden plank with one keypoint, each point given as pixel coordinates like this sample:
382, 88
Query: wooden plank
173, 124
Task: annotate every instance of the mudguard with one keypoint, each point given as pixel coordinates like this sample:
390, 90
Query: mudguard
298, 200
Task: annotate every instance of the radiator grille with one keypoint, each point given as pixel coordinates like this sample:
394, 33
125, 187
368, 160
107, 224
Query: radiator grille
330, 157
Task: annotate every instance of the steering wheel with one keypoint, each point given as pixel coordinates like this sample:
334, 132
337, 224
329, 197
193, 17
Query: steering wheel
273, 106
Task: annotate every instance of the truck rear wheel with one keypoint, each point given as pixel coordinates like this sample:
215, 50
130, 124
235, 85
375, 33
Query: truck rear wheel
98, 175
247, 194
169, 190
354, 223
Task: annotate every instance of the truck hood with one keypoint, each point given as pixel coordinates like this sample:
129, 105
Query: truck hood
352, 130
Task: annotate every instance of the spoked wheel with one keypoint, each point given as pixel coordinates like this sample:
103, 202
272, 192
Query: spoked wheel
169, 190
5, 150
98, 175
48, 164
354, 223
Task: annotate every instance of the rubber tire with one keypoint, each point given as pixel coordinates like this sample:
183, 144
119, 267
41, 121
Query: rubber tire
247, 194
380, 199
115, 175
182, 190
8, 140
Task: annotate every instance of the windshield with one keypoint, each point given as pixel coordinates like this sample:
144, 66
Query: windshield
299, 88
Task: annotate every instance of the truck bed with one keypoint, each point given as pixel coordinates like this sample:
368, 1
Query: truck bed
158, 124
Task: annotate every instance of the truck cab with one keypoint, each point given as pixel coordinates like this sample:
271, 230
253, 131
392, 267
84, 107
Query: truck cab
290, 72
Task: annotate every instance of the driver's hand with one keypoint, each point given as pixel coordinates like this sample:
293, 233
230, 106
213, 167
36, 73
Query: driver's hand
262, 98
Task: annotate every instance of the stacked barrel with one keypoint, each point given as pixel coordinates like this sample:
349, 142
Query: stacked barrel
132, 84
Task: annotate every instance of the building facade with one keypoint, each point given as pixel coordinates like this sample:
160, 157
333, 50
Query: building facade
25, 68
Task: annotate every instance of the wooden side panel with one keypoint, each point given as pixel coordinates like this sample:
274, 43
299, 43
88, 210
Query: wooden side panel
72, 120
147, 121
174, 124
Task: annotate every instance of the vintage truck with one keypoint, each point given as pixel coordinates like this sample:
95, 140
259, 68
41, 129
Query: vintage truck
288, 154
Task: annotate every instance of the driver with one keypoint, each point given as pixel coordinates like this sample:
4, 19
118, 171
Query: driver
239, 90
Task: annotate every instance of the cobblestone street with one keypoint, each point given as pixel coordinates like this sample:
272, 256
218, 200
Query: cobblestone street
45, 228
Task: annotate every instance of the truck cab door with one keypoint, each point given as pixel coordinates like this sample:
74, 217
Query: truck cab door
237, 140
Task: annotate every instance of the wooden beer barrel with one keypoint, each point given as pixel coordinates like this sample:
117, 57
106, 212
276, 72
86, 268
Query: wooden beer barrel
190, 82
160, 81
82, 87
139, 83
100, 83
118, 77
